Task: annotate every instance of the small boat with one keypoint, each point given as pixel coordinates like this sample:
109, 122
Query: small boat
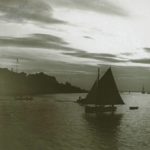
143, 90
103, 95
133, 107
26, 98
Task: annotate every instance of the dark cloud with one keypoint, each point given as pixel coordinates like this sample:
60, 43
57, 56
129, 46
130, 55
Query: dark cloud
141, 61
87, 37
101, 6
48, 38
104, 57
44, 41
27, 10
147, 49
127, 54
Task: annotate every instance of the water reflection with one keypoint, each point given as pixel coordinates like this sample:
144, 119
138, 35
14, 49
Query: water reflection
106, 128
52, 123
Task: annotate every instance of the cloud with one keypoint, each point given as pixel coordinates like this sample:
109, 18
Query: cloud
127, 54
100, 6
141, 61
104, 57
27, 10
147, 49
43, 41
87, 37
34, 45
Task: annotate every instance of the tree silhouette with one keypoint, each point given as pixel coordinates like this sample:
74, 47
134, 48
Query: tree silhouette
13, 83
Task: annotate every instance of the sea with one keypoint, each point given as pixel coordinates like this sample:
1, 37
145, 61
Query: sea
56, 122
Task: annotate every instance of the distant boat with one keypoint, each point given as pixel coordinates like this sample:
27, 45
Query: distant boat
143, 90
133, 107
129, 91
26, 98
103, 95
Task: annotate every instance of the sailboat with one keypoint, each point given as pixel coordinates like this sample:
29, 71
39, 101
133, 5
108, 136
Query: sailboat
103, 95
143, 90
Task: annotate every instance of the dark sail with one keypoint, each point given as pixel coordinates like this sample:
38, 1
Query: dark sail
104, 91
143, 90
93, 93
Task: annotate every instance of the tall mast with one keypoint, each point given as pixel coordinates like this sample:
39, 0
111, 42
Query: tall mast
17, 62
143, 89
98, 74
98, 77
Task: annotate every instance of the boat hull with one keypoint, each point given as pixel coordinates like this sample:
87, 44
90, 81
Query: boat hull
99, 109
133, 107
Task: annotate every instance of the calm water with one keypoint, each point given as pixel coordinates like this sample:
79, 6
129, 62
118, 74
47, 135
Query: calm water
55, 122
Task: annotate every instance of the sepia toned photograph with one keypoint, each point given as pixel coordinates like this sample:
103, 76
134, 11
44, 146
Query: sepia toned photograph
74, 74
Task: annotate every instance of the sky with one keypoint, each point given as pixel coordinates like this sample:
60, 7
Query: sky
71, 38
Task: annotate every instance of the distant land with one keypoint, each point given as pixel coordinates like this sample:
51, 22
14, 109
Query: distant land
13, 83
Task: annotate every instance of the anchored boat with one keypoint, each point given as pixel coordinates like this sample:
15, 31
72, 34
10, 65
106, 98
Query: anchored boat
143, 90
104, 95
